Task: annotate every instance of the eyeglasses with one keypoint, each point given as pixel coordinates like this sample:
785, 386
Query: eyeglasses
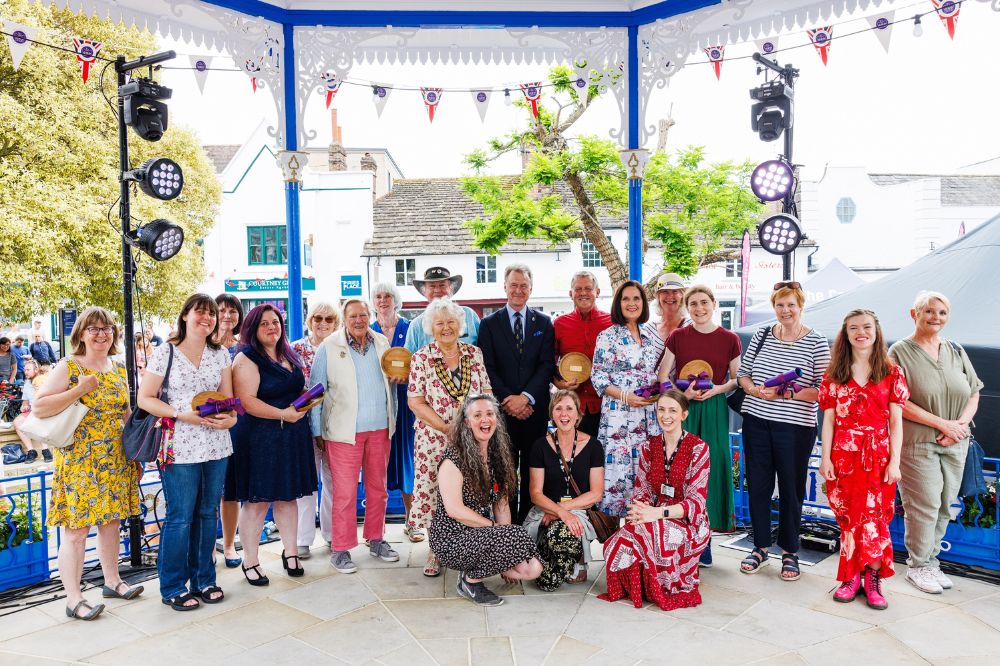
791, 284
96, 330
328, 319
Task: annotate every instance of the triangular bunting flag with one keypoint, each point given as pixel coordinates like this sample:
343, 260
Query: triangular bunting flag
767, 46
882, 27
432, 97
331, 85
532, 93
582, 81
482, 101
86, 53
200, 66
947, 11
715, 55
19, 37
380, 94
820, 38
253, 66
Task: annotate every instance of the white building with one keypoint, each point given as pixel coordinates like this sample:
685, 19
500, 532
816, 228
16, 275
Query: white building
246, 253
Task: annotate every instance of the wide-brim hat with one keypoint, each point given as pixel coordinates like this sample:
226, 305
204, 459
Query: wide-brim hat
438, 274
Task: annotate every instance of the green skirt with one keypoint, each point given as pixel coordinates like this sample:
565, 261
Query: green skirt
709, 420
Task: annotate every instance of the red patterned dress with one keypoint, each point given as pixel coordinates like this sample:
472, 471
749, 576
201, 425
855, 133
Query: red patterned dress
428, 377
862, 502
660, 559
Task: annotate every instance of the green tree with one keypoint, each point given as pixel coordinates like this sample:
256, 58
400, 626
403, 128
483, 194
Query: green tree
694, 210
59, 178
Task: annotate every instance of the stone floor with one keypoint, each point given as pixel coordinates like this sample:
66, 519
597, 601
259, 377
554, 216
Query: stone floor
391, 614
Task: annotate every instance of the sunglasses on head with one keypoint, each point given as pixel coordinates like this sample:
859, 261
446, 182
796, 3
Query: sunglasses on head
328, 319
791, 284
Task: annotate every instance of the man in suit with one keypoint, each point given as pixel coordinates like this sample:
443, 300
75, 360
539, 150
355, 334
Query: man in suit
518, 348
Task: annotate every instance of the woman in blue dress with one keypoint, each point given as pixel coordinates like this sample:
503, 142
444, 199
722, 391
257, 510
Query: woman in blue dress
399, 477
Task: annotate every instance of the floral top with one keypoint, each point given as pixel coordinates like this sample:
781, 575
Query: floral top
193, 443
425, 380
307, 353
862, 412
620, 361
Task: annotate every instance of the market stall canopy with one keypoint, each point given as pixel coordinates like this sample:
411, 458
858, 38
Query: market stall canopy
832, 280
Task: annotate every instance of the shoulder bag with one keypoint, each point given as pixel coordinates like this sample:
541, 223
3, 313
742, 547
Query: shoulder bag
973, 480
142, 436
56, 431
735, 399
604, 525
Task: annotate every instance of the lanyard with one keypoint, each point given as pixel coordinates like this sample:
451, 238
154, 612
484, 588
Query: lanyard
667, 463
567, 468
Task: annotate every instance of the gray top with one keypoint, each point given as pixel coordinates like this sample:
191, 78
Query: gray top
6, 363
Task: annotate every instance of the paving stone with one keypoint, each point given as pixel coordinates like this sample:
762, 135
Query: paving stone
986, 609
532, 650
532, 615
860, 648
188, 645
330, 597
11, 659
25, 622
409, 583
357, 637
790, 626
288, 650
692, 643
719, 606
614, 626
492, 651
570, 652
900, 606
947, 633
965, 589
76, 640
440, 618
448, 651
411, 654
259, 623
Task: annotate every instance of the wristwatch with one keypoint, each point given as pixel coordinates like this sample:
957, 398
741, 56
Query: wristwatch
666, 512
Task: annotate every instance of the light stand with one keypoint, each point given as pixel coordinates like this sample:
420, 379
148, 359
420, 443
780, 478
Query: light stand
123, 67
787, 74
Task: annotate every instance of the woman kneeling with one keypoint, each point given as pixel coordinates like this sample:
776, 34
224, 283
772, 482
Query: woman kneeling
471, 530
656, 553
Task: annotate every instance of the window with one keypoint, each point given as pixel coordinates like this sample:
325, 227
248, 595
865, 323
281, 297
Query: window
734, 268
486, 269
267, 246
591, 257
406, 270
846, 210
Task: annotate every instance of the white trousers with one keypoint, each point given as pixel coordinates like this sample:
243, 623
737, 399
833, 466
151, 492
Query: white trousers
307, 507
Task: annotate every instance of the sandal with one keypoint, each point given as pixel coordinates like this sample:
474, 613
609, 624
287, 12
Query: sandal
755, 560
433, 568
414, 534
292, 571
86, 617
131, 592
790, 564
206, 594
260, 580
179, 603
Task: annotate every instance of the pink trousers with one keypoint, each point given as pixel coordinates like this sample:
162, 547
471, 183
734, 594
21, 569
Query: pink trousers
369, 452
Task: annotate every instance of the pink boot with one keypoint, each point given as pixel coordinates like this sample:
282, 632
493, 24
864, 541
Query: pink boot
873, 589
848, 590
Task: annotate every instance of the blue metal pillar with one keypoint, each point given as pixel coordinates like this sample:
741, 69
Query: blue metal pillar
292, 187
634, 185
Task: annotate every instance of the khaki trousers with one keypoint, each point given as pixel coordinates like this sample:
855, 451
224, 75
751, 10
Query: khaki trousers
931, 478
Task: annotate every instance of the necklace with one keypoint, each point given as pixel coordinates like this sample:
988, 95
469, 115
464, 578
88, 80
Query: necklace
787, 343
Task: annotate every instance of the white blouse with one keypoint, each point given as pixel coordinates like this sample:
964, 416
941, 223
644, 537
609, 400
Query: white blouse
193, 443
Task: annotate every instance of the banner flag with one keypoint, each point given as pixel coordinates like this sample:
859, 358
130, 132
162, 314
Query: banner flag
820, 38
882, 27
19, 38
200, 66
86, 54
482, 101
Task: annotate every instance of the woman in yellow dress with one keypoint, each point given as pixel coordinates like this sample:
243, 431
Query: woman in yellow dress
93, 483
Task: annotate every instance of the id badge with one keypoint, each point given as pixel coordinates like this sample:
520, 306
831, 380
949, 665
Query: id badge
667, 489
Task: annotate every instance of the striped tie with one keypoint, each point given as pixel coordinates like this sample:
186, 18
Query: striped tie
518, 333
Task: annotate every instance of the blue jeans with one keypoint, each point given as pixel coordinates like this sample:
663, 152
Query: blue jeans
192, 492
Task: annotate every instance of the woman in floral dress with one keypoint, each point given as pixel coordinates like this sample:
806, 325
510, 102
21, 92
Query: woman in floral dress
625, 359
655, 555
442, 374
862, 398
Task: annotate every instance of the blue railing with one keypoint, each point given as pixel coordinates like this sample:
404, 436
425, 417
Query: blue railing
975, 544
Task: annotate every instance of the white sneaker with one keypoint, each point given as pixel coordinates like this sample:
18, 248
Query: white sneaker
923, 579
941, 579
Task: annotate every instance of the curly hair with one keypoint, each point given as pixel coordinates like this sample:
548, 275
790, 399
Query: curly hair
470, 460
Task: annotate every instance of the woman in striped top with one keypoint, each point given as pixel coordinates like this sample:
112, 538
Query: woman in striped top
779, 424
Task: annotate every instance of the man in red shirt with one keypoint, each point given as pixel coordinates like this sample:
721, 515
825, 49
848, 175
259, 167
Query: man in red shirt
577, 331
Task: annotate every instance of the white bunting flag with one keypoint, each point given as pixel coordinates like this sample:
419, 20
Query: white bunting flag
482, 100
200, 66
380, 95
767, 46
882, 27
19, 38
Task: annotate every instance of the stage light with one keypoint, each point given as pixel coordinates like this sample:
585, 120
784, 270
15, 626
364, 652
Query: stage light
772, 113
160, 239
771, 180
160, 178
144, 111
779, 234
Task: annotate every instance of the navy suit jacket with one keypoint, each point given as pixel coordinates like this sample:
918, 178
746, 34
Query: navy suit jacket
512, 373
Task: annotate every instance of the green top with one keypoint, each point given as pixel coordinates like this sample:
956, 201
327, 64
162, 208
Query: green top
941, 387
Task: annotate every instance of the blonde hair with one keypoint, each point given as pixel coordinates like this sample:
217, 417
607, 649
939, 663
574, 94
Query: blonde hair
800, 296
925, 297
323, 308
91, 316
698, 289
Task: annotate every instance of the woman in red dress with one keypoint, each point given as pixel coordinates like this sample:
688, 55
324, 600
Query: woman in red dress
656, 553
862, 398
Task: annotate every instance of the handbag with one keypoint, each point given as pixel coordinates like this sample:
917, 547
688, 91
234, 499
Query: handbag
735, 399
55, 431
12, 454
973, 481
142, 436
604, 525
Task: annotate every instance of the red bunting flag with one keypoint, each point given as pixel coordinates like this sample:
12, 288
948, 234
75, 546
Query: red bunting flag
532, 93
432, 97
821, 38
947, 11
252, 66
86, 53
331, 84
715, 55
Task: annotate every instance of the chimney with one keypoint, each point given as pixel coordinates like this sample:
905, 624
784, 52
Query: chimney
368, 164
337, 155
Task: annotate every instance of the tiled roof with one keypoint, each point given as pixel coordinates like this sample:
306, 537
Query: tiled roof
221, 155
972, 190
424, 216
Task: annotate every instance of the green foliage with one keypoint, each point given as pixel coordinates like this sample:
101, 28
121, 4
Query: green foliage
985, 517
513, 212
26, 528
58, 179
